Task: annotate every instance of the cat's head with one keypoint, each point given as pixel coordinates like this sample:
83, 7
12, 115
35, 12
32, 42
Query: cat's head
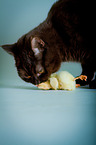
35, 60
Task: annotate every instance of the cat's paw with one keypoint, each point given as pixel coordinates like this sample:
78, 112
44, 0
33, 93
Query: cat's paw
81, 82
92, 85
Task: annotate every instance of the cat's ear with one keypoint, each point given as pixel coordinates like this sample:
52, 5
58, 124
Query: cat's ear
9, 48
37, 46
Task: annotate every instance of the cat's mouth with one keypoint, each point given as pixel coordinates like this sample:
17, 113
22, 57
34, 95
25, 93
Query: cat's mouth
36, 81
42, 78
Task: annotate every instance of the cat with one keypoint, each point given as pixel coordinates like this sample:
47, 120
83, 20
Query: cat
67, 34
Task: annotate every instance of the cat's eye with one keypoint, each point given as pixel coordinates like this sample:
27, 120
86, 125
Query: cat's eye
40, 72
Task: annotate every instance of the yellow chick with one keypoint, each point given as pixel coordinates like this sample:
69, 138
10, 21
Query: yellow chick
61, 81
45, 85
66, 81
54, 83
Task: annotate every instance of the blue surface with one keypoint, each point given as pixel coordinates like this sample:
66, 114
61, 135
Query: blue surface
29, 116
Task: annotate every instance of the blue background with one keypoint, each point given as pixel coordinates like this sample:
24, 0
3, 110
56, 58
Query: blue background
29, 116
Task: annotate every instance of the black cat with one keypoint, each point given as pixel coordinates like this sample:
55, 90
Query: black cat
67, 34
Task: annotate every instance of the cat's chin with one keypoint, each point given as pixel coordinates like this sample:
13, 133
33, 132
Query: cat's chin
38, 81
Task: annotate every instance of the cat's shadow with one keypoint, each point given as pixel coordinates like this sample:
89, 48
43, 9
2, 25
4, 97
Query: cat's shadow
18, 87
27, 87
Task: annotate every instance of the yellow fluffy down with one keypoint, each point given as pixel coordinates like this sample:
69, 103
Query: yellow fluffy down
54, 83
63, 80
66, 81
